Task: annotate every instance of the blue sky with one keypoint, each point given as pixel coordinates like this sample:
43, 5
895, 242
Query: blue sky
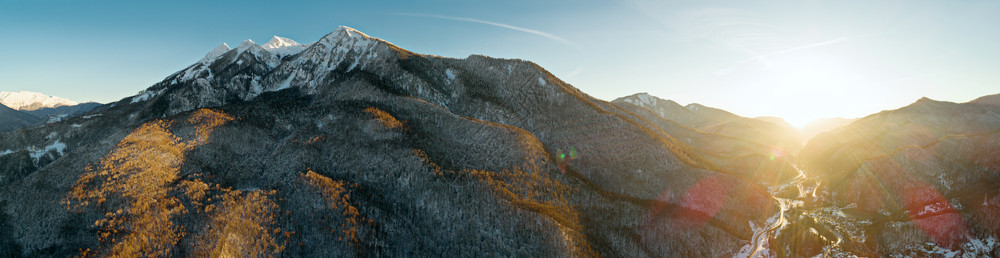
794, 59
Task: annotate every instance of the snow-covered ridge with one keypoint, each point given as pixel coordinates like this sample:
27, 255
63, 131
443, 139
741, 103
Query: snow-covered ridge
345, 34
343, 39
26, 100
643, 100
279, 64
342, 46
246, 44
215, 53
351, 32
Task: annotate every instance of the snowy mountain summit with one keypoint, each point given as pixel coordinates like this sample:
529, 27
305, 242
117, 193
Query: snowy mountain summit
283, 46
27, 100
216, 52
249, 69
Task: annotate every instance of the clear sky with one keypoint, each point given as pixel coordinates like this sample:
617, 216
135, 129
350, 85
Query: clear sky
800, 60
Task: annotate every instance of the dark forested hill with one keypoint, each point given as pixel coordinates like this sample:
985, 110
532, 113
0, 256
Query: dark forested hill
11, 119
922, 175
356, 147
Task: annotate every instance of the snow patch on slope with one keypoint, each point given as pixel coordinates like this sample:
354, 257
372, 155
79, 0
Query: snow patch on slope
451, 75
57, 118
642, 100
57, 146
287, 83
145, 95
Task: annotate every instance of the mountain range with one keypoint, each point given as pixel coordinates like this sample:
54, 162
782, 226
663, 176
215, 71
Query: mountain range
24, 108
28, 101
353, 146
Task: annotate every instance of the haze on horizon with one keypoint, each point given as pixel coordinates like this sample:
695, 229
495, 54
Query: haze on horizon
799, 60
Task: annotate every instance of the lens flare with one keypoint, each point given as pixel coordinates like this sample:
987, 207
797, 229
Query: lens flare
933, 214
777, 152
562, 160
704, 199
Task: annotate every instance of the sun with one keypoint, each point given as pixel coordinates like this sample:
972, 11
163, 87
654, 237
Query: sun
810, 85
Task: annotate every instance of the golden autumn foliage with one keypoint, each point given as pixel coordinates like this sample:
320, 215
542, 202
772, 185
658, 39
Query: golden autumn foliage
241, 226
138, 173
385, 118
206, 120
316, 139
138, 170
336, 194
427, 160
194, 190
144, 160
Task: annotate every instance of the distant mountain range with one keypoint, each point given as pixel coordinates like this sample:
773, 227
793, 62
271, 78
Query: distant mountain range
353, 146
771, 131
24, 108
761, 149
28, 101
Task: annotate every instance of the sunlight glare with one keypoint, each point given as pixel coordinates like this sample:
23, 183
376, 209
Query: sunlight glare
811, 84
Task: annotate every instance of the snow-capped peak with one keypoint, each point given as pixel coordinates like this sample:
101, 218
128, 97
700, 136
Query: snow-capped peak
217, 52
269, 57
245, 45
344, 33
26, 100
351, 32
283, 46
279, 42
642, 99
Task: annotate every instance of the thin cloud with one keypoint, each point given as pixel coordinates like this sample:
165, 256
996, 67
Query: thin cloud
764, 58
798, 48
497, 24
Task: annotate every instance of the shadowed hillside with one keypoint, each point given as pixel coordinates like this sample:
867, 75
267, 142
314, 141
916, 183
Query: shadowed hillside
356, 147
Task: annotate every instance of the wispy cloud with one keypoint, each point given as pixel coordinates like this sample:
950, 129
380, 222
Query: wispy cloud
497, 24
793, 49
744, 31
764, 58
